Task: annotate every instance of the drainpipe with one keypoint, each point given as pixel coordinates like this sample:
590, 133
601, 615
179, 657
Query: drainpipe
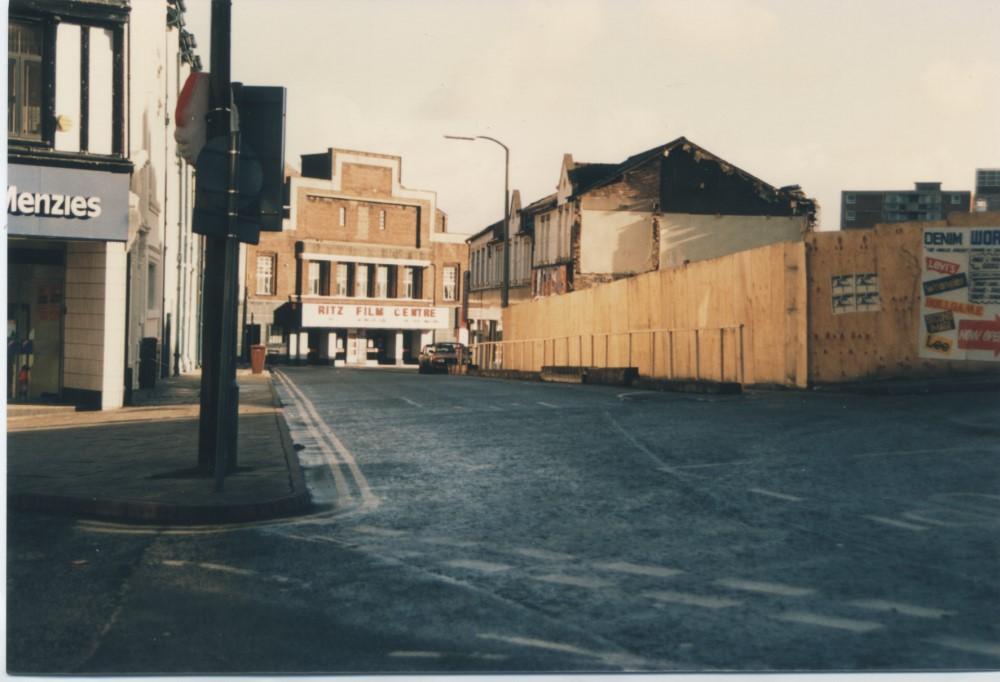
179, 302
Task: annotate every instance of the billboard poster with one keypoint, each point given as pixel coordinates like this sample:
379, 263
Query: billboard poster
960, 294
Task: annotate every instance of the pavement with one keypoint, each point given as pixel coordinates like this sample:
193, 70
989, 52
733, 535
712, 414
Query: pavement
138, 463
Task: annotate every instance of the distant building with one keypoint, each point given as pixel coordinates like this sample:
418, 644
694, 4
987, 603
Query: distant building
987, 189
364, 271
927, 201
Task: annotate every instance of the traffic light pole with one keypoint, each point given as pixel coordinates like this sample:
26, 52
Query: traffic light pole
217, 425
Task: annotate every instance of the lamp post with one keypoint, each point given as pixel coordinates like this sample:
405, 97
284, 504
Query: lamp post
505, 289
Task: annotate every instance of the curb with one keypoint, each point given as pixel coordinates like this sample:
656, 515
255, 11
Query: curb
690, 386
296, 503
908, 388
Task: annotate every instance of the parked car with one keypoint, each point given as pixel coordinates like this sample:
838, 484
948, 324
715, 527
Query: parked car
437, 356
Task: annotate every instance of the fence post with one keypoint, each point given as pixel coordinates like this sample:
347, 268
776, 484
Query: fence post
697, 355
652, 352
742, 375
722, 353
670, 339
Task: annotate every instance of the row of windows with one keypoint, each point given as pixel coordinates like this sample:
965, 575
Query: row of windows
486, 264
359, 280
896, 217
342, 211
923, 199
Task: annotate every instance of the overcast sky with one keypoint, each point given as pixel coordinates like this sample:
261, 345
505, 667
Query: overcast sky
830, 95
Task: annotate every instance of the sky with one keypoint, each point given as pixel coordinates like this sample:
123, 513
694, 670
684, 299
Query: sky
829, 95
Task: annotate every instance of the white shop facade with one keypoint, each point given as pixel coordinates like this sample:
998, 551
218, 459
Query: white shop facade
369, 333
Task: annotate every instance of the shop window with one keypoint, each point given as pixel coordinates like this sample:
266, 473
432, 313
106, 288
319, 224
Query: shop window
265, 275
24, 80
342, 279
275, 335
450, 276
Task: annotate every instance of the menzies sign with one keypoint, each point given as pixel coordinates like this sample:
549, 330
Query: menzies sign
67, 203
374, 316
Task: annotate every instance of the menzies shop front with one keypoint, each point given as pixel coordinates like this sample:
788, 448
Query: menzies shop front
66, 284
365, 334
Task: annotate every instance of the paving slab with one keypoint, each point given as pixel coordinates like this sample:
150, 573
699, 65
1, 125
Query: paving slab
139, 463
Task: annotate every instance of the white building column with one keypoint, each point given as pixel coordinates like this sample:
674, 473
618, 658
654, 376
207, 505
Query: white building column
113, 375
398, 350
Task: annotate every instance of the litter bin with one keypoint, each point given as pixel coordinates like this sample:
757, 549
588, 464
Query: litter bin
257, 356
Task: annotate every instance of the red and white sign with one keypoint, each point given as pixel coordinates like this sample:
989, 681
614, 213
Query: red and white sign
980, 335
943, 266
192, 106
374, 316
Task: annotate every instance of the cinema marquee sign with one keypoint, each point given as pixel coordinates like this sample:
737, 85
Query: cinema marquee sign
374, 316
67, 203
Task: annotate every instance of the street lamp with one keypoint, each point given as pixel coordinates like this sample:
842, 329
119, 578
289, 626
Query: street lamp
505, 290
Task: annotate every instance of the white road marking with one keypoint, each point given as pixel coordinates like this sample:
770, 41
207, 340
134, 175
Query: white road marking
706, 465
931, 451
622, 396
449, 542
921, 518
894, 522
765, 588
474, 565
233, 570
412, 402
639, 446
691, 599
415, 654
369, 499
828, 621
899, 607
975, 646
543, 554
637, 569
574, 580
548, 405
344, 496
385, 532
625, 661
778, 496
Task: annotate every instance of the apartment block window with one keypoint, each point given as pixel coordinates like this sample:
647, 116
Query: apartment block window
24, 80
850, 199
361, 281
343, 215
450, 277
342, 279
851, 215
319, 278
265, 275
382, 281
407, 283
381, 220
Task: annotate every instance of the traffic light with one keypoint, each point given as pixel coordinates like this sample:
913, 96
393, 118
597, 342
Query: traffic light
260, 184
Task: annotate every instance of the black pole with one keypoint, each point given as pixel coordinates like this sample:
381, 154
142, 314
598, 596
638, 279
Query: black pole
219, 391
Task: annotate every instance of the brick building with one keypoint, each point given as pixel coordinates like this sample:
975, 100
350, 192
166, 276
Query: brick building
926, 201
364, 271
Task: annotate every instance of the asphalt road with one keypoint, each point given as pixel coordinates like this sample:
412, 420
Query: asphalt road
475, 525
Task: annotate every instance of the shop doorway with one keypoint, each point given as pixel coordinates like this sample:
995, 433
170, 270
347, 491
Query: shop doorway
35, 303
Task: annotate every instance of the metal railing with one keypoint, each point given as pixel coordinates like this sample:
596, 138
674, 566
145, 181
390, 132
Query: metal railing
686, 353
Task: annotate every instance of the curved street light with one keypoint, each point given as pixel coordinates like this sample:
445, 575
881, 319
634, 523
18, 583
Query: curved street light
505, 290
